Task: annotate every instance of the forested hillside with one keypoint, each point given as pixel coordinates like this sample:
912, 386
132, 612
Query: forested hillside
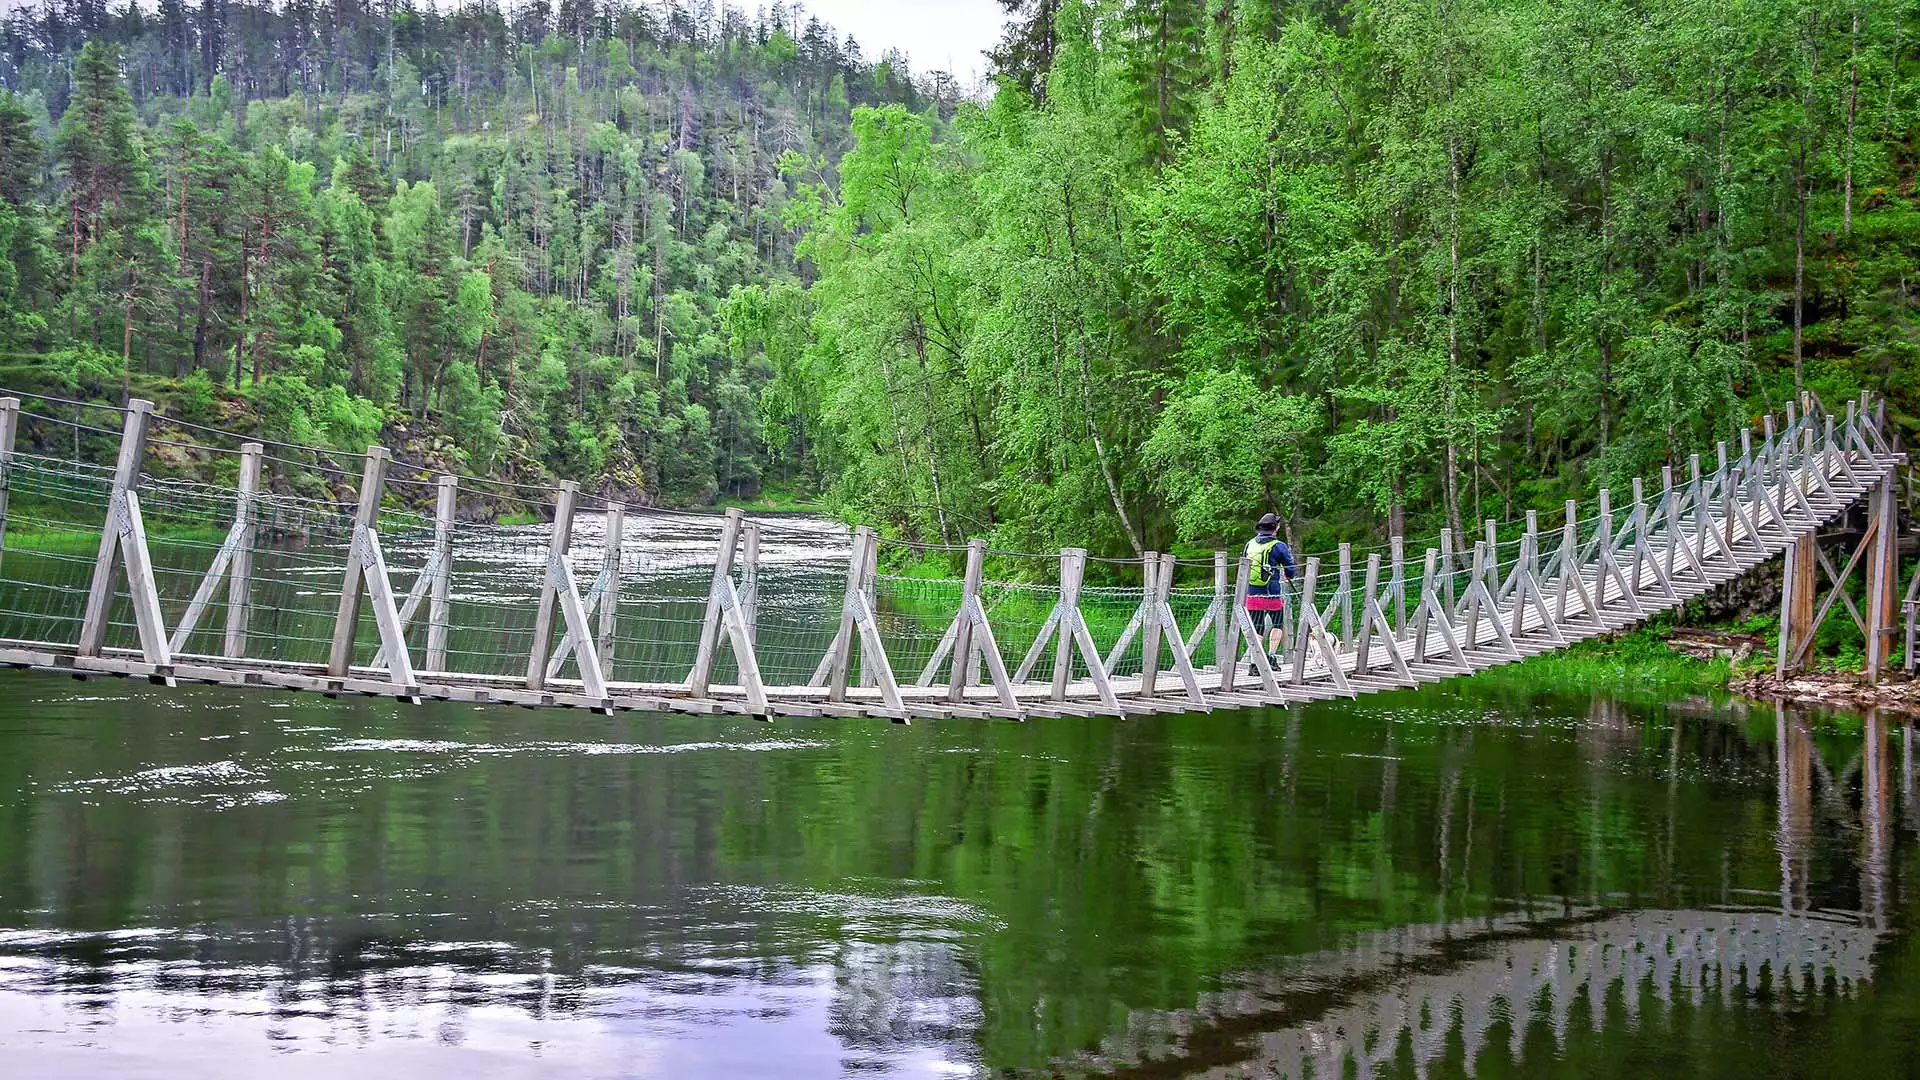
518, 228
1378, 265
1375, 264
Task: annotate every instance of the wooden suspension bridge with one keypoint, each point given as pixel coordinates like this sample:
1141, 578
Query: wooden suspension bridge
1514, 592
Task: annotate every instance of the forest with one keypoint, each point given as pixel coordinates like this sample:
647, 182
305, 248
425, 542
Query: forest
523, 232
1375, 265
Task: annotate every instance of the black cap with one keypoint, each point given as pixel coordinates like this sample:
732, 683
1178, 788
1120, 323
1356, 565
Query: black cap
1270, 522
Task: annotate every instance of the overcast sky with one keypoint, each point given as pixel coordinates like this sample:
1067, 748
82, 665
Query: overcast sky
945, 35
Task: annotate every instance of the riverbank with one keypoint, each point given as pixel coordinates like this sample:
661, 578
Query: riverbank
1846, 690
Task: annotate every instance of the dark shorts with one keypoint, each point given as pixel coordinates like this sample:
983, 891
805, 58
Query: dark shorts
1268, 611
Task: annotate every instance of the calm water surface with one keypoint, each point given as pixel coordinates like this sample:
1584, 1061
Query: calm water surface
1465, 881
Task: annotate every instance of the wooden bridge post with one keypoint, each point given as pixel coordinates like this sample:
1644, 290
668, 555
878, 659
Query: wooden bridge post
1363, 645
1494, 584
1303, 638
9, 428
1073, 566
346, 623
1346, 596
1150, 628
1523, 569
961, 675
749, 580
608, 616
1219, 615
1797, 590
1182, 656
1446, 568
701, 678
446, 505
126, 477
1397, 548
240, 571
842, 655
559, 541
1883, 575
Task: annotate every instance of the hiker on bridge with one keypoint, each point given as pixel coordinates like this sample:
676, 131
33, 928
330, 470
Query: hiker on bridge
1272, 570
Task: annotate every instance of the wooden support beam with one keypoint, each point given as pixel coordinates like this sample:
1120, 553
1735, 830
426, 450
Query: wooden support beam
240, 574
1312, 633
142, 589
1796, 603
126, 477
560, 541
1342, 600
1397, 547
386, 617
346, 623
1073, 631
613, 562
840, 663
1182, 656
446, 505
700, 680
749, 580
1149, 566
1883, 576
1151, 626
961, 632
1217, 615
9, 430
1433, 613
210, 581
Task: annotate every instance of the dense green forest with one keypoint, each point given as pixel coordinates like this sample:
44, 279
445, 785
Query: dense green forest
1377, 264
522, 229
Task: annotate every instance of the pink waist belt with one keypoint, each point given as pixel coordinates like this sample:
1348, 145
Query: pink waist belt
1266, 603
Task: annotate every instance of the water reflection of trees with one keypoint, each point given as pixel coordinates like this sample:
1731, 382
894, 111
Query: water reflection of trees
1011, 887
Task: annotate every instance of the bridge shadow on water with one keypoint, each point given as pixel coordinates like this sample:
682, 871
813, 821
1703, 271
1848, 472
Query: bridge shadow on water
1475, 880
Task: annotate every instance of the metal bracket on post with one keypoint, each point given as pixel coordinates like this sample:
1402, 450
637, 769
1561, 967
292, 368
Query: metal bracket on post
126, 477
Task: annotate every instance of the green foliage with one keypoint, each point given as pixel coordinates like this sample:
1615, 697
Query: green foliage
1219, 448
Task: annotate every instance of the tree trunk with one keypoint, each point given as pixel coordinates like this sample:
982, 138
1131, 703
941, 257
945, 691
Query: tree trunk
1799, 265
200, 314
240, 338
1099, 445
1853, 111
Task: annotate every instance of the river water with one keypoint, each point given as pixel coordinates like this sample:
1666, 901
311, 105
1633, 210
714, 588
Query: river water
1476, 879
